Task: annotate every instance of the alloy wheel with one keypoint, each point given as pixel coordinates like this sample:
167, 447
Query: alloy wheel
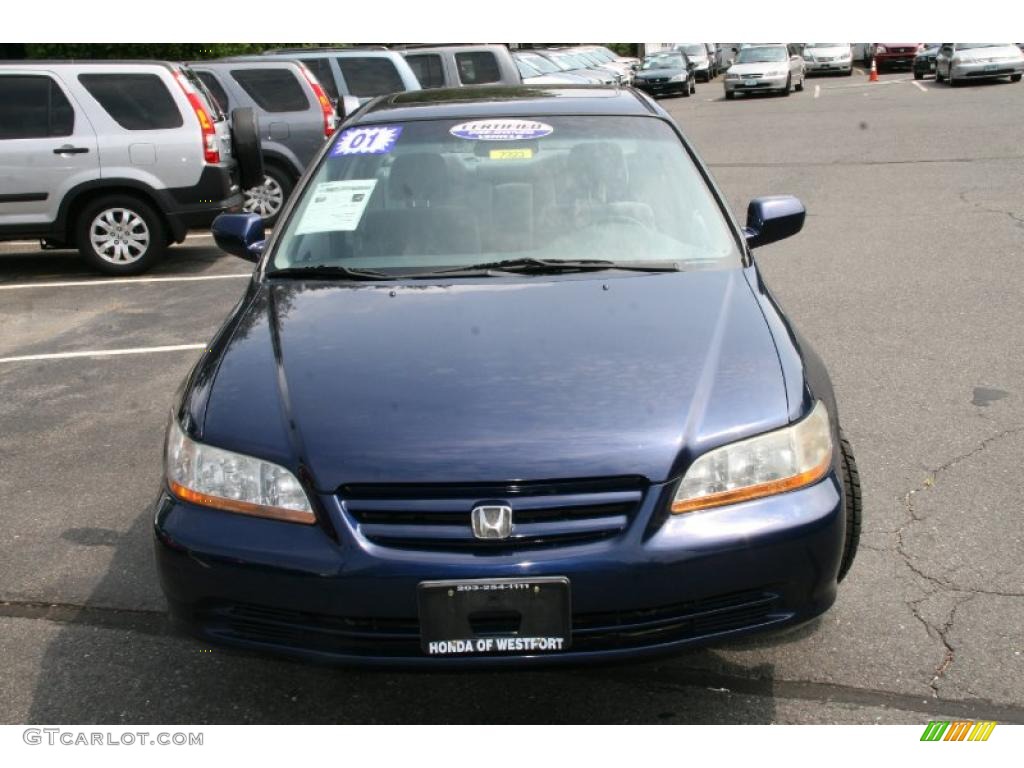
266, 199
119, 235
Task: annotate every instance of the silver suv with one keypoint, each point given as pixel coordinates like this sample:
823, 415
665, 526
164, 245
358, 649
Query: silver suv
117, 159
295, 115
457, 66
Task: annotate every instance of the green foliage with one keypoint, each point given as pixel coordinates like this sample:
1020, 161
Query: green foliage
624, 49
162, 51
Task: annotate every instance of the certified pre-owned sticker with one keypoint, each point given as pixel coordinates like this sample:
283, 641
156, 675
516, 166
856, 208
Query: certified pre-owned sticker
376, 140
501, 130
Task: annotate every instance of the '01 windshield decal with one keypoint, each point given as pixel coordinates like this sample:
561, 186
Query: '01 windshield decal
501, 130
371, 140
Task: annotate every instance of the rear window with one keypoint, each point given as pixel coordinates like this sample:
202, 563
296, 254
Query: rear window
427, 68
34, 107
275, 89
368, 76
477, 67
321, 69
138, 102
216, 90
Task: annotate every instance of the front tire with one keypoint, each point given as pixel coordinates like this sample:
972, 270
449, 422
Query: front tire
789, 86
120, 235
800, 85
1015, 78
853, 503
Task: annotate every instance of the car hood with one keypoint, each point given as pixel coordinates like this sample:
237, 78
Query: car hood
500, 379
993, 52
758, 67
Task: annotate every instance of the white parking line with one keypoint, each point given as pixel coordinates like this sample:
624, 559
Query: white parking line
919, 87
817, 91
102, 353
121, 281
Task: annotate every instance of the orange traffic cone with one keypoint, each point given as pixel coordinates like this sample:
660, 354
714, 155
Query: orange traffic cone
873, 77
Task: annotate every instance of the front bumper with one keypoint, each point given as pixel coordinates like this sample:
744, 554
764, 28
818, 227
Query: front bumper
662, 89
987, 69
327, 592
753, 85
816, 66
894, 60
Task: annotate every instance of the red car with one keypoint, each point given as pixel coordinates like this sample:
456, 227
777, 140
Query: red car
893, 55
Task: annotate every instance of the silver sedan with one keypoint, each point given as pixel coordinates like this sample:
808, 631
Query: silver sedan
768, 68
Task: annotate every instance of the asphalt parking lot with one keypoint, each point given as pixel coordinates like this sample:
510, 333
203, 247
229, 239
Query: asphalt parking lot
908, 281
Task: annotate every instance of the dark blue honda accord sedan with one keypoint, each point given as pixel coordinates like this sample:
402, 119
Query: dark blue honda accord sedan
506, 387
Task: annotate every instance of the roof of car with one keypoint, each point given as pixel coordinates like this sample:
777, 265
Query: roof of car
505, 101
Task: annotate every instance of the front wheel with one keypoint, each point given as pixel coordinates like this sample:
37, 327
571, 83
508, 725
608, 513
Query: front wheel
853, 503
938, 76
800, 85
729, 95
120, 235
789, 87
1015, 78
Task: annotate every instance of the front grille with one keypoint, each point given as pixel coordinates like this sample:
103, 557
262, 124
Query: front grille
399, 637
545, 514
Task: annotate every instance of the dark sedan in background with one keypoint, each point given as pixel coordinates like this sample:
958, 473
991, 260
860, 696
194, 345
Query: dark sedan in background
924, 61
549, 413
666, 73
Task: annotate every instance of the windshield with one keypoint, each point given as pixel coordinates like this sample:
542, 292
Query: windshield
526, 69
430, 195
694, 49
539, 62
563, 62
759, 54
663, 61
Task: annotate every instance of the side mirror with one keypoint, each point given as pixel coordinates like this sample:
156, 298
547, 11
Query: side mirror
773, 218
240, 234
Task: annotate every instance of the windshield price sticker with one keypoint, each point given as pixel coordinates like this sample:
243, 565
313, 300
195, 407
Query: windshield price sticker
495, 644
336, 206
511, 154
501, 130
376, 140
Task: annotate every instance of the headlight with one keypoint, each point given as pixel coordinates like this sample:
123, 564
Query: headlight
880, 49
678, 78
213, 477
778, 461
731, 76
845, 56
956, 60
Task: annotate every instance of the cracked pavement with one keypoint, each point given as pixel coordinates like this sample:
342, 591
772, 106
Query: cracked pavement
908, 281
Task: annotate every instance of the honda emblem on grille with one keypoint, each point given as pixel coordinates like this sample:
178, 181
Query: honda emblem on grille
492, 522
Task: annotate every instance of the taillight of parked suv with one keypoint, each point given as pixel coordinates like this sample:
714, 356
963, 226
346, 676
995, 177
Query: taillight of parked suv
211, 150
325, 103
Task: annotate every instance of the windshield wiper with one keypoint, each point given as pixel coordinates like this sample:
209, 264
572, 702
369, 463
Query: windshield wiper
329, 271
530, 265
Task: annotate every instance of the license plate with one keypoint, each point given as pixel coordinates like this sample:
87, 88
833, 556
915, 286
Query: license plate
990, 67
495, 617
750, 82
